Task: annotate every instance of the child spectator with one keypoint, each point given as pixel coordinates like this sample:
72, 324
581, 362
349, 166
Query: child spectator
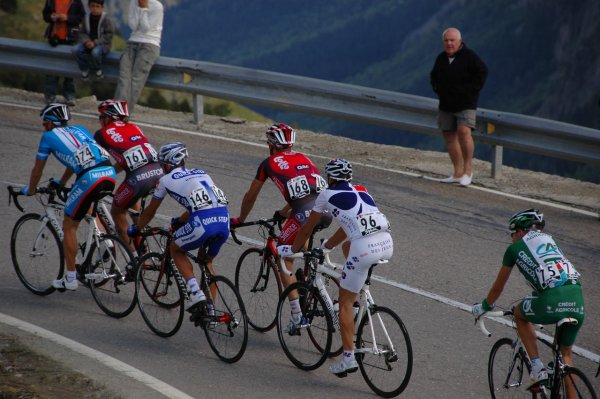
95, 40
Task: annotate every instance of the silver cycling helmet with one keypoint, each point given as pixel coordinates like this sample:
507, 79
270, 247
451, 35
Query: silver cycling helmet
172, 153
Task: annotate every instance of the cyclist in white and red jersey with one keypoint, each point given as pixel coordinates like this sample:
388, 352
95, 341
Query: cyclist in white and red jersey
556, 285
298, 180
204, 224
364, 231
132, 153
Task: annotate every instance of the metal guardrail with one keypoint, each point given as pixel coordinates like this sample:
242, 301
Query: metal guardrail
319, 97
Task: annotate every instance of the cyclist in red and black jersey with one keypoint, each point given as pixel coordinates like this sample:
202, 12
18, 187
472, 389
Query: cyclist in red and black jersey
298, 180
132, 152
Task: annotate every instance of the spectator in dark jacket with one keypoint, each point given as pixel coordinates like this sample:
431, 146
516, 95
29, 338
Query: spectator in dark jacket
457, 77
95, 40
63, 18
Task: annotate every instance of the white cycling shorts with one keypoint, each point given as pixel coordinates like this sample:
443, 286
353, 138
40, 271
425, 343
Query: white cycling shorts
365, 252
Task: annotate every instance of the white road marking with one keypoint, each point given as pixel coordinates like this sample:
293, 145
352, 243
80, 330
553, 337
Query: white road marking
98, 356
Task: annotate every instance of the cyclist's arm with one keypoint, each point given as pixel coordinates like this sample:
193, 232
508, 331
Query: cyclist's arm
336, 238
498, 285
36, 175
305, 231
250, 199
66, 176
149, 212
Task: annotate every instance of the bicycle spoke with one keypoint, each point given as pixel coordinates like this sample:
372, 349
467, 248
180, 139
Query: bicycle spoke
384, 352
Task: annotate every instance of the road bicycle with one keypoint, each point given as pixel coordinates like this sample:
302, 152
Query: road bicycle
509, 368
258, 281
161, 293
383, 348
104, 262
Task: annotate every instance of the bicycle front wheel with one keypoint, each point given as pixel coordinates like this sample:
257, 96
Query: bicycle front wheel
259, 286
37, 253
506, 368
227, 329
159, 297
111, 273
578, 383
384, 352
307, 345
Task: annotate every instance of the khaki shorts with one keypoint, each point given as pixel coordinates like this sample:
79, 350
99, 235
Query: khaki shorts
448, 121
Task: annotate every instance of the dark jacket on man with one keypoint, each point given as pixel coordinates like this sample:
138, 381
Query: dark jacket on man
459, 82
75, 16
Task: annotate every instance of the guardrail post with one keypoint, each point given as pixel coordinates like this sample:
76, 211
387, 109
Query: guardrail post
198, 109
497, 151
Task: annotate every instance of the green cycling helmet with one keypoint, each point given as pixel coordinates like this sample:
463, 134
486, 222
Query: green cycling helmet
526, 219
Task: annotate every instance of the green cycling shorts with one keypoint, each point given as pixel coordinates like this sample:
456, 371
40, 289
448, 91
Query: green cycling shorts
555, 304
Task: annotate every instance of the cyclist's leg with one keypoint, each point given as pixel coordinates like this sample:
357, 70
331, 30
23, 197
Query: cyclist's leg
126, 196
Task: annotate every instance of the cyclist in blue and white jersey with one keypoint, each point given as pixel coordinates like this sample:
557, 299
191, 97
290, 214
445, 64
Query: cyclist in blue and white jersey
364, 231
204, 222
75, 148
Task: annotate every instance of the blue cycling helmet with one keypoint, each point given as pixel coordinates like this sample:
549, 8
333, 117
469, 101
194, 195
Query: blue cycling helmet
57, 113
172, 153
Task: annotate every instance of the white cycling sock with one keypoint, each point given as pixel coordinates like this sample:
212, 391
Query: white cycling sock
295, 306
71, 276
192, 285
536, 365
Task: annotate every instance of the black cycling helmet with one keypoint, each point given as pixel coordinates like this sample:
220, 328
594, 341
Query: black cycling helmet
281, 135
115, 109
339, 169
526, 219
172, 153
57, 113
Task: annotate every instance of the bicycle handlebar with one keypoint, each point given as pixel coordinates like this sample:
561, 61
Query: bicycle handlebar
493, 313
268, 223
15, 192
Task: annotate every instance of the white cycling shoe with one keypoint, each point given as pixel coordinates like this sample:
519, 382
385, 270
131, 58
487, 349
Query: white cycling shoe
343, 367
63, 284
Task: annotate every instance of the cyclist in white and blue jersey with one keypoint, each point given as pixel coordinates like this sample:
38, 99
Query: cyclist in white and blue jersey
205, 221
75, 148
364, 231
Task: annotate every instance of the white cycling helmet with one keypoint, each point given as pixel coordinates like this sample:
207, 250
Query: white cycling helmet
172, 153
339, 169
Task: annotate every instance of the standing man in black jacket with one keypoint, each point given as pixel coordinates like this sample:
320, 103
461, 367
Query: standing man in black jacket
457, 77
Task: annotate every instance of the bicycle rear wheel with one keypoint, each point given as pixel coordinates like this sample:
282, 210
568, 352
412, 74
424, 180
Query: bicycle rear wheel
506, 368
111, 273
306, 346
386, 367
37, 253
159, 297
259, 286
582, 387
227, 330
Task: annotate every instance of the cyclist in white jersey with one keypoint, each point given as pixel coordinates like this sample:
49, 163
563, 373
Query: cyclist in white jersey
204, 223
364, 231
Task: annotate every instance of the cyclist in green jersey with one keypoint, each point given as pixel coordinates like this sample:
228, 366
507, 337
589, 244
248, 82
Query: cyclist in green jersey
557, 289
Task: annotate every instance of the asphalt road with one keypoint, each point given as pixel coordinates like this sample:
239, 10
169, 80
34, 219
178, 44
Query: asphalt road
448, 241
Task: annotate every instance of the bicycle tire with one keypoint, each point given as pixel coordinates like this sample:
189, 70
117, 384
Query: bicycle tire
259, 286
388, 372
159, 297
111, 274
227, 330
582, 385
333, 290
506, 369
307, 347
37, 253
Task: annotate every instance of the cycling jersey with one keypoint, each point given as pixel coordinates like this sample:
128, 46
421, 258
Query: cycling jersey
207, 204
365, 226
75, 148
541, 262
296, 177
130, 148
299, 181
127, 145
